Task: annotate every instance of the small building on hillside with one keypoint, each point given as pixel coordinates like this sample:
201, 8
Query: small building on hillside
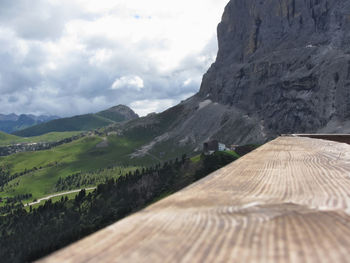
222, 147
234, 147
212, 146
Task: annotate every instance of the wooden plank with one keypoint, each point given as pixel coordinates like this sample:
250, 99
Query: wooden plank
288, 201
345, 138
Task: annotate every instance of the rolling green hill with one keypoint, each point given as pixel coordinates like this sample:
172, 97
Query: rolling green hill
38, 172
76, 123
8, 139
81, 122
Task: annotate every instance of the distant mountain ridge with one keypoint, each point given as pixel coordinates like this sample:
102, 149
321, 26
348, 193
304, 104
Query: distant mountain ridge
12, 122
84, 122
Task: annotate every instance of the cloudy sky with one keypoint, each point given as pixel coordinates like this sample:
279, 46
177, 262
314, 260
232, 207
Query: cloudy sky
68, 57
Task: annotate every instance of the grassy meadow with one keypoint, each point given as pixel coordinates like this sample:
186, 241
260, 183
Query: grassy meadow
8, 139
80, 156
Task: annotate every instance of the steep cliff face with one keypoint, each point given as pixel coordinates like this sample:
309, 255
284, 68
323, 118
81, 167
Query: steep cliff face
283, 66
284, 63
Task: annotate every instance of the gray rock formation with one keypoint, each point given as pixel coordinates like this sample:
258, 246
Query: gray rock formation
282, 67
285, 63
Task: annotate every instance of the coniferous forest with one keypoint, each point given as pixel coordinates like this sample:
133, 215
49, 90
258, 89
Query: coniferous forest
29, 235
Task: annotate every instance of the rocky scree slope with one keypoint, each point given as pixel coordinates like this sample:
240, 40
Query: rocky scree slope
282, 67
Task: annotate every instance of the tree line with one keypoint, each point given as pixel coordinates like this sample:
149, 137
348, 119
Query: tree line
79, 179
6, 176
26, 236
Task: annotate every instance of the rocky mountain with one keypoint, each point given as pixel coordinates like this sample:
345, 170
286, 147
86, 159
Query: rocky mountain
284, 63
282, 67
84, 122
12, 122
118, 113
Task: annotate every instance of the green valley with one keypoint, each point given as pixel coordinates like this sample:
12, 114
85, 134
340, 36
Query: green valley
8, 139
38, 172
83, 161
129, 164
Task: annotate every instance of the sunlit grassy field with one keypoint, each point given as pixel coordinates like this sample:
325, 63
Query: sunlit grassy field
82, 156
8, 139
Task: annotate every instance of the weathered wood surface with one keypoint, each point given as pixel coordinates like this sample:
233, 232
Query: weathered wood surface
288, 201
345, 138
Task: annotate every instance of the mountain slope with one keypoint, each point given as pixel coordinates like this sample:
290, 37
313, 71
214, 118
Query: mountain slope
4, 137
76, 123
118, 113
81, 122
12, 122
282, 67
9, 139
284, 63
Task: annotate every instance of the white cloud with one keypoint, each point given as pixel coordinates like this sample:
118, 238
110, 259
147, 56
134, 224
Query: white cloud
143, 107
80, 50
128, 82
187, 82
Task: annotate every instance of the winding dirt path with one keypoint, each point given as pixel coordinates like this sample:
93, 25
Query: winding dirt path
59, 194
287, 201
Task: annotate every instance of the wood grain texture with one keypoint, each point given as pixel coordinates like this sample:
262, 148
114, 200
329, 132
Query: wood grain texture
345, 138
287, 201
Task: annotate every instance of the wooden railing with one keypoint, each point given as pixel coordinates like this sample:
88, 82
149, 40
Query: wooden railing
344, 138
287, 201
